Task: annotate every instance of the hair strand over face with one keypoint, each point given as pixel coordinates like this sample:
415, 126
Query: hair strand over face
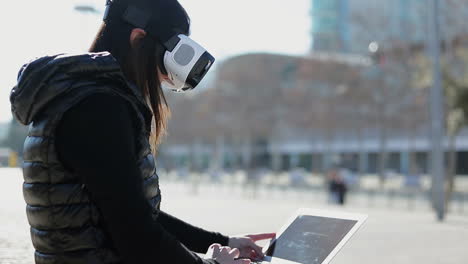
139, 63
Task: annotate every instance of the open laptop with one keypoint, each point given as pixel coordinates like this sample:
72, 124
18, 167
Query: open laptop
312, 237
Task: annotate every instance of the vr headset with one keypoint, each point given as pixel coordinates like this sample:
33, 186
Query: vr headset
185, 61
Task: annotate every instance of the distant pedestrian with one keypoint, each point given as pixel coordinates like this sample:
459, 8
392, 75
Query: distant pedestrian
337, 187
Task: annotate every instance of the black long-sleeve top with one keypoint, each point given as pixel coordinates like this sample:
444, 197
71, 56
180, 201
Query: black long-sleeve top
97, 140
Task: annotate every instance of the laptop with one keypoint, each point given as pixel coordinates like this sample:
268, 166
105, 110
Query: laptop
312, 237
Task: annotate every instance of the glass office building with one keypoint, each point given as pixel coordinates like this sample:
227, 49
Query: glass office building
330, 29
348, 26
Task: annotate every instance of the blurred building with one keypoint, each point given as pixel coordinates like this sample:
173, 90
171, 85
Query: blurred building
350, 25
330, 25
304, 111
333, 105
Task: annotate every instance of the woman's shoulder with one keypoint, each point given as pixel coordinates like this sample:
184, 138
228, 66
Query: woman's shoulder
106, 107
98, 123
98, 114
54, 84
101, 105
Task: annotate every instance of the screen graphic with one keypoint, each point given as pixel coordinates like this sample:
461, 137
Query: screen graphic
310, 239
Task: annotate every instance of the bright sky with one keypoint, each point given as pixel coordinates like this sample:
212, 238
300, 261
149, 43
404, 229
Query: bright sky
33, 28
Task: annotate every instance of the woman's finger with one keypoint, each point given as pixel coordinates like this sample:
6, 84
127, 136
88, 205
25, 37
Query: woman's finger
257, 249
243, 261
215, 248
225, 249
234, 252
257, 237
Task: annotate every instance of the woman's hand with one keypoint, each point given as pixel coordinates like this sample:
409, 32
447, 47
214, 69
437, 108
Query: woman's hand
247, 247
225, 255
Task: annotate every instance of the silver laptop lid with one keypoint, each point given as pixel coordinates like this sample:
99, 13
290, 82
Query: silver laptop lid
313, 237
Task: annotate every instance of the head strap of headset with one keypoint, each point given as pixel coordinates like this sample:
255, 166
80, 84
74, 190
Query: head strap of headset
143, 19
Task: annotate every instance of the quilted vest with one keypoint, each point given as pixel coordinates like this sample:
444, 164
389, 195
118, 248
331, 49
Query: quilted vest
66, 226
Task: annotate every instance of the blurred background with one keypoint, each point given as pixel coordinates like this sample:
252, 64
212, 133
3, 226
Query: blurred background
355, 105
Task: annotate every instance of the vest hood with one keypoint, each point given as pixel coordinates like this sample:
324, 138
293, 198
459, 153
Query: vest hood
46, 79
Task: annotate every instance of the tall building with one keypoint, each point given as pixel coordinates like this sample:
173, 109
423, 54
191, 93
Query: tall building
330, 27
349, 26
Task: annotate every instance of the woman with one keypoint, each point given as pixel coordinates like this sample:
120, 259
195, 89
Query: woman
91, 186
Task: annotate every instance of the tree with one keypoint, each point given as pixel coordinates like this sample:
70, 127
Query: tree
456, 92
455, 85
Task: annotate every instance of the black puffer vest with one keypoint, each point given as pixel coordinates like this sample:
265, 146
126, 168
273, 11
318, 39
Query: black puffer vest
65, 224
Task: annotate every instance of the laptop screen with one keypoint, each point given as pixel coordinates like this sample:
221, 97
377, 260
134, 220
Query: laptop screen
310, 239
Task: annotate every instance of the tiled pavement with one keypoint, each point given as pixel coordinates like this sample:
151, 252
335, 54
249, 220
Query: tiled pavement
395, 235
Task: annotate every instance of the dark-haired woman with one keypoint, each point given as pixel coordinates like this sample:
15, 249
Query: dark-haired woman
95, 119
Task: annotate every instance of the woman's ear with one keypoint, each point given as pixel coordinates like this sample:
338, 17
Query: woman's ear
136, 35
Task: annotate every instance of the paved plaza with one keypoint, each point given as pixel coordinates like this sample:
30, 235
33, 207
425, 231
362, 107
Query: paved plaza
392, 234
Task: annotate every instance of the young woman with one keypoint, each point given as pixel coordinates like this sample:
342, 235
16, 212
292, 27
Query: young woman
91, 186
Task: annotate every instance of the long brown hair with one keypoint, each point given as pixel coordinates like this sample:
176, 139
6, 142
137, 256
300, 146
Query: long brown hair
140, 62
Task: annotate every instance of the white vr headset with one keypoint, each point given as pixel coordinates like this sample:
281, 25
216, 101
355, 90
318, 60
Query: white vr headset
185, 61
186, 64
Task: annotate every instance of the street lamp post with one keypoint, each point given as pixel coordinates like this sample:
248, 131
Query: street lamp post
377, 95
437, 114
